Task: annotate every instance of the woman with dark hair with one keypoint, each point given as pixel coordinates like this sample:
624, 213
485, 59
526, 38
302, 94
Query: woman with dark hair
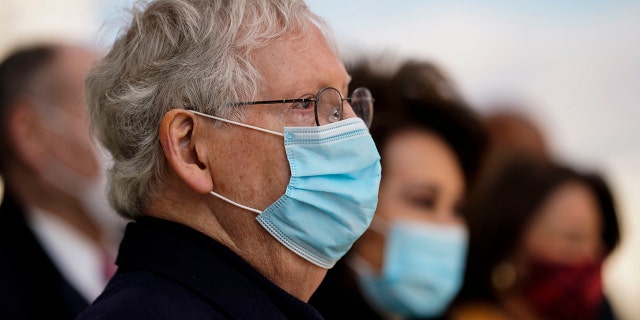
410, 262
539, 233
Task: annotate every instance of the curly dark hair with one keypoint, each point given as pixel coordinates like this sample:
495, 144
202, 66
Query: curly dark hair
419, 95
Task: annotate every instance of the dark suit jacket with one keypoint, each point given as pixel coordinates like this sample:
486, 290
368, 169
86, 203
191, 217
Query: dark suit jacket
31, 287
169, 271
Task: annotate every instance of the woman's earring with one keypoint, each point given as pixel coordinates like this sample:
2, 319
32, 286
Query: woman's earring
503, 276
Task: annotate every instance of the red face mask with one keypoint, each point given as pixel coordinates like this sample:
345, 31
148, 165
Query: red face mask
561, 291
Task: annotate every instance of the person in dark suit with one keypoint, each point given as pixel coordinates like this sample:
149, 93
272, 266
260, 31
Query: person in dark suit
56, 254
239, 154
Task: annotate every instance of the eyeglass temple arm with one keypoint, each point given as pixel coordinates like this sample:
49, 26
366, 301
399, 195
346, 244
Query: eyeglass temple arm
249, 103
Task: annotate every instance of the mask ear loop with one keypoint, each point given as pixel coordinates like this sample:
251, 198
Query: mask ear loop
217, 195
379, 225
237, 123
359, 264
234, 203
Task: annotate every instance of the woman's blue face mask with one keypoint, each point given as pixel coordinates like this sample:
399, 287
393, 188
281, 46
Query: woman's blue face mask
422, 270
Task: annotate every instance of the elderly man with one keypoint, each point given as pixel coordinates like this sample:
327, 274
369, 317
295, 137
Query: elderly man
57, 242
246, 167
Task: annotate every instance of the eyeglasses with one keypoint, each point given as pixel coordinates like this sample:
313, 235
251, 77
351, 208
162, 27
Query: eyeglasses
328, 105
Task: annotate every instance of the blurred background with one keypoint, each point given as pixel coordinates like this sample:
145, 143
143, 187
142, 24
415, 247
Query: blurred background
573, 67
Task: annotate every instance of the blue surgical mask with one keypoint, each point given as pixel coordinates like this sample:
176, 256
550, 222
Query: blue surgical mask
332, 194
422, 269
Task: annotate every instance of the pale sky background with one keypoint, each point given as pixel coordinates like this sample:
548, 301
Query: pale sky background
574, 64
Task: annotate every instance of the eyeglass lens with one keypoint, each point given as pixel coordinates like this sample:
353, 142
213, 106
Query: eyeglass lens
362, 105
329, 106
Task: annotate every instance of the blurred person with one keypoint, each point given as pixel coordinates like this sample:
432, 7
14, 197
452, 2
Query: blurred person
57, 242
246, 168
512, 131
423, 80
539, 235
410, 263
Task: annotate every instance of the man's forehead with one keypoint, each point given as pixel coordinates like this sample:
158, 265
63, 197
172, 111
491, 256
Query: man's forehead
296, 60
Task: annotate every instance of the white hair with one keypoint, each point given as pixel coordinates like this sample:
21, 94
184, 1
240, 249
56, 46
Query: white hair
191, 54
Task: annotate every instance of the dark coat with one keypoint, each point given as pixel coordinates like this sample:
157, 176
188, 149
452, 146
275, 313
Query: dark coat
339, 297
31, 287
170, 271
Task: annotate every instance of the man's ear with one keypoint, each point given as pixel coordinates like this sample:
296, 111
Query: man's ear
26, 135
181, 149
